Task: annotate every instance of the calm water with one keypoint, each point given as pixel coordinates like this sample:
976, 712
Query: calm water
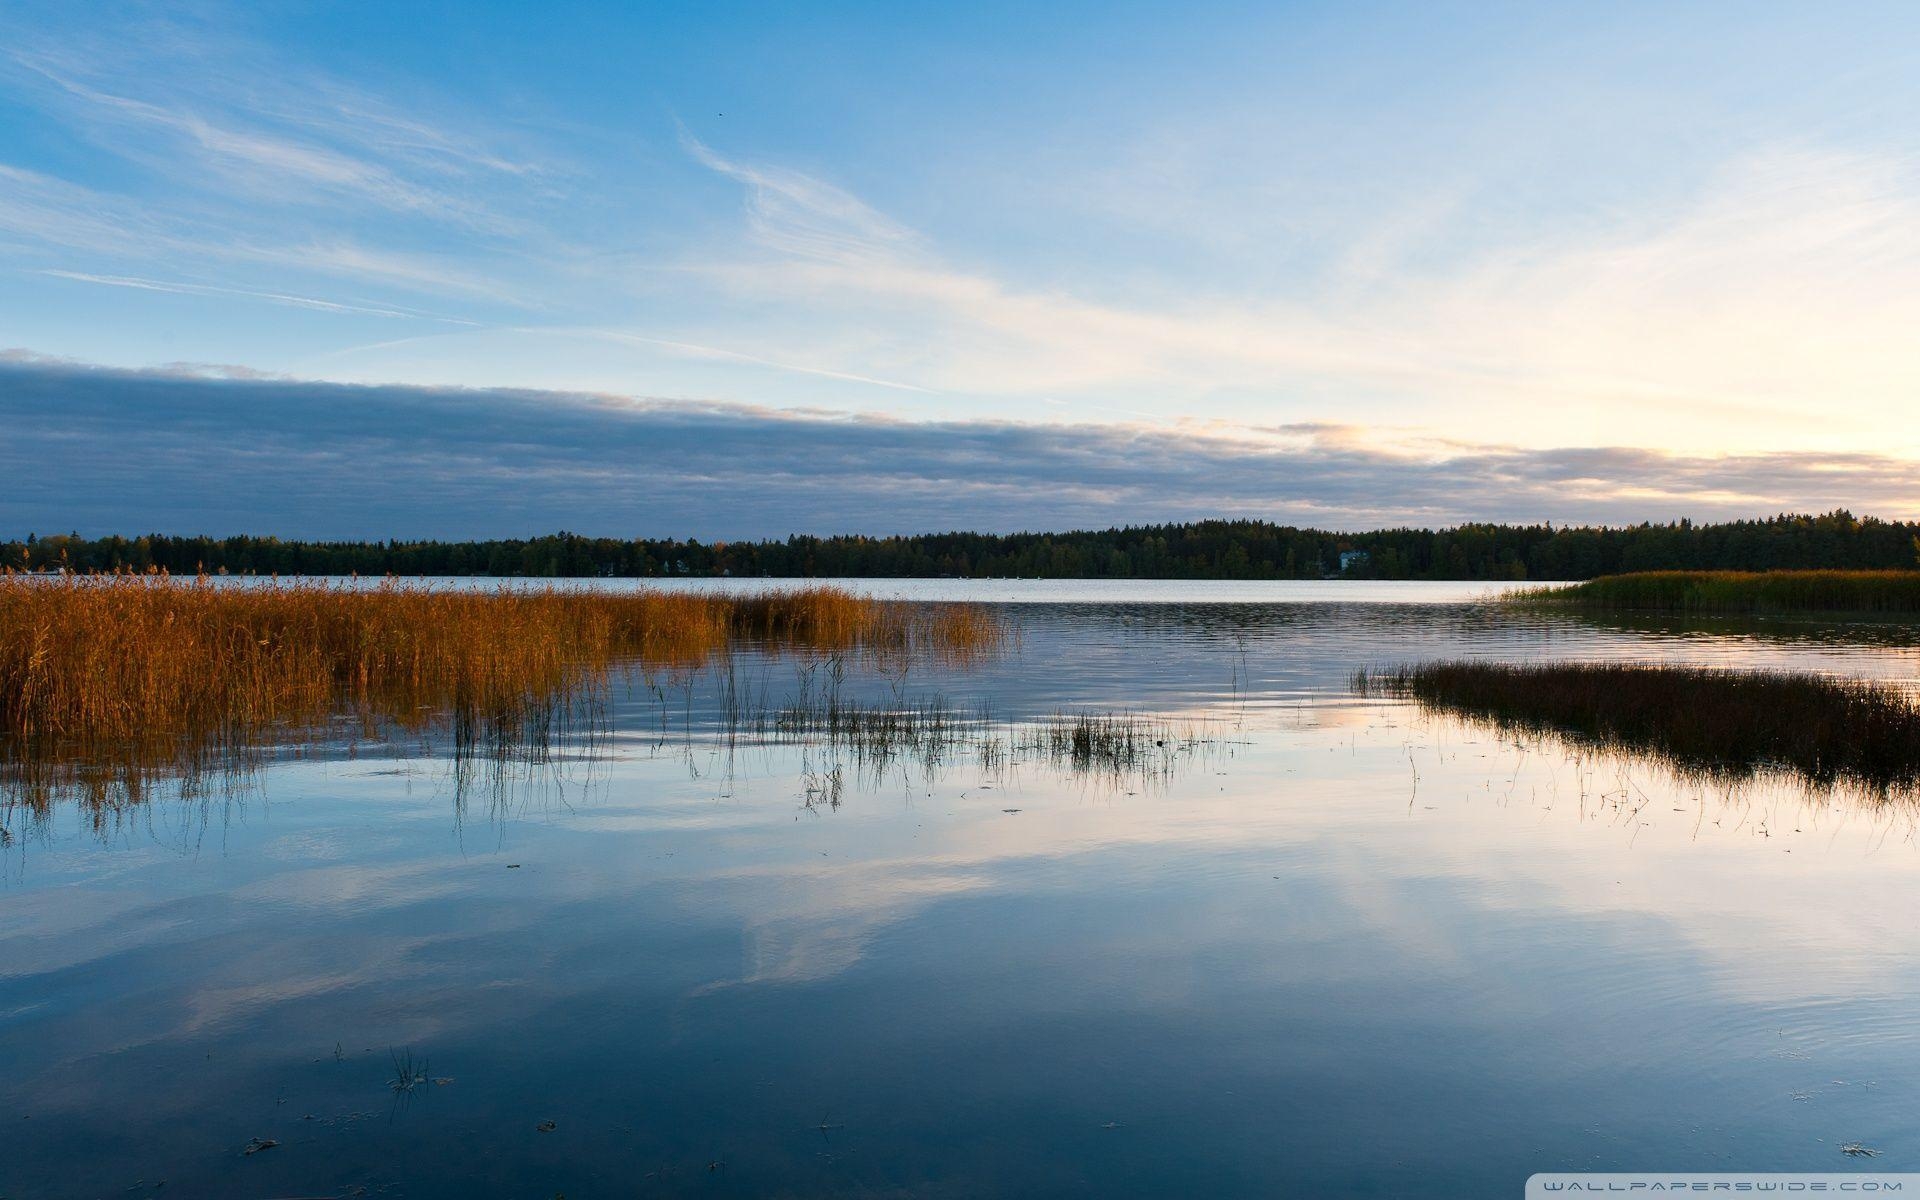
1314, 945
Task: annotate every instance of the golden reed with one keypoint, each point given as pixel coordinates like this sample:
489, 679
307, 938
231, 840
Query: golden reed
169, 670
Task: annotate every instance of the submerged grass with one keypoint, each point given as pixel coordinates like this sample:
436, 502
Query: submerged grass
106, 678
1696, 720
1879, 593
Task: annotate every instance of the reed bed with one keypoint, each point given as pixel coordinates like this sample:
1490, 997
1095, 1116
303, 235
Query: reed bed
152, 671
1695, 720
929, 732
1111, 749
1877, 593
1113, 744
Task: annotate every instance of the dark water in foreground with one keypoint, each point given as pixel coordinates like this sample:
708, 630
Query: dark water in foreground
1316, 945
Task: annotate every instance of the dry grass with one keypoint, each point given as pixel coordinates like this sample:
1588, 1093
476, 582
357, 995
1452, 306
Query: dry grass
101, 671
1879, 593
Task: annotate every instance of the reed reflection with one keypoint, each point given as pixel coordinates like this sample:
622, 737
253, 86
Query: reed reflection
1850, 736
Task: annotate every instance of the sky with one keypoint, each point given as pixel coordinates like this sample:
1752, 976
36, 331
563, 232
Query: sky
484, 269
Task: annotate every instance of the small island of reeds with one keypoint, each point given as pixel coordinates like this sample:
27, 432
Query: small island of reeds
1888, 594
1696, 720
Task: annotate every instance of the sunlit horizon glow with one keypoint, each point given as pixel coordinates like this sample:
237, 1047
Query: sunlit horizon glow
1674, 255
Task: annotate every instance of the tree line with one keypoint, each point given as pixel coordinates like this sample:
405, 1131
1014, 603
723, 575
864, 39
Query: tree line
1195, 550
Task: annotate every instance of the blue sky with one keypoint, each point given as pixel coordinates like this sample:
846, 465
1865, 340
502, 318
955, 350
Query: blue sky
1420, 235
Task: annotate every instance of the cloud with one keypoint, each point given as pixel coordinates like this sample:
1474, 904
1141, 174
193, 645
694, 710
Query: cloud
244, 173
1785, 281
201, 289
798, 214
182, 450
39, 213
38, 210
694, 350
1758, 301
321, 150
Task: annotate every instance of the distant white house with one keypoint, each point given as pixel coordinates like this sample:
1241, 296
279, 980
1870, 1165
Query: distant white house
1352, 558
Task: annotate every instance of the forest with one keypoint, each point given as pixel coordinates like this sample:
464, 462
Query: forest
1224, 549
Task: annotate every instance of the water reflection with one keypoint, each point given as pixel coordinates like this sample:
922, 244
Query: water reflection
853, 722
1846, 736
1346, 946
1812, 632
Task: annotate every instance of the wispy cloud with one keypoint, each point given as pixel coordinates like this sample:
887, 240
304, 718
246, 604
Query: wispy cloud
262, 173
198, 451
201, 289
311, 153
38, 211
696, 350
1786, 280
796, 213
1761, 300
50, 219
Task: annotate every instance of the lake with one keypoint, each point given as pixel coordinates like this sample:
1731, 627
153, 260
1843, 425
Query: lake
1286, 940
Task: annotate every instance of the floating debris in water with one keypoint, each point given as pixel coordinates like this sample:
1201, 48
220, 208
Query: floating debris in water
257, 1145
1856, 1150
545, 1127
